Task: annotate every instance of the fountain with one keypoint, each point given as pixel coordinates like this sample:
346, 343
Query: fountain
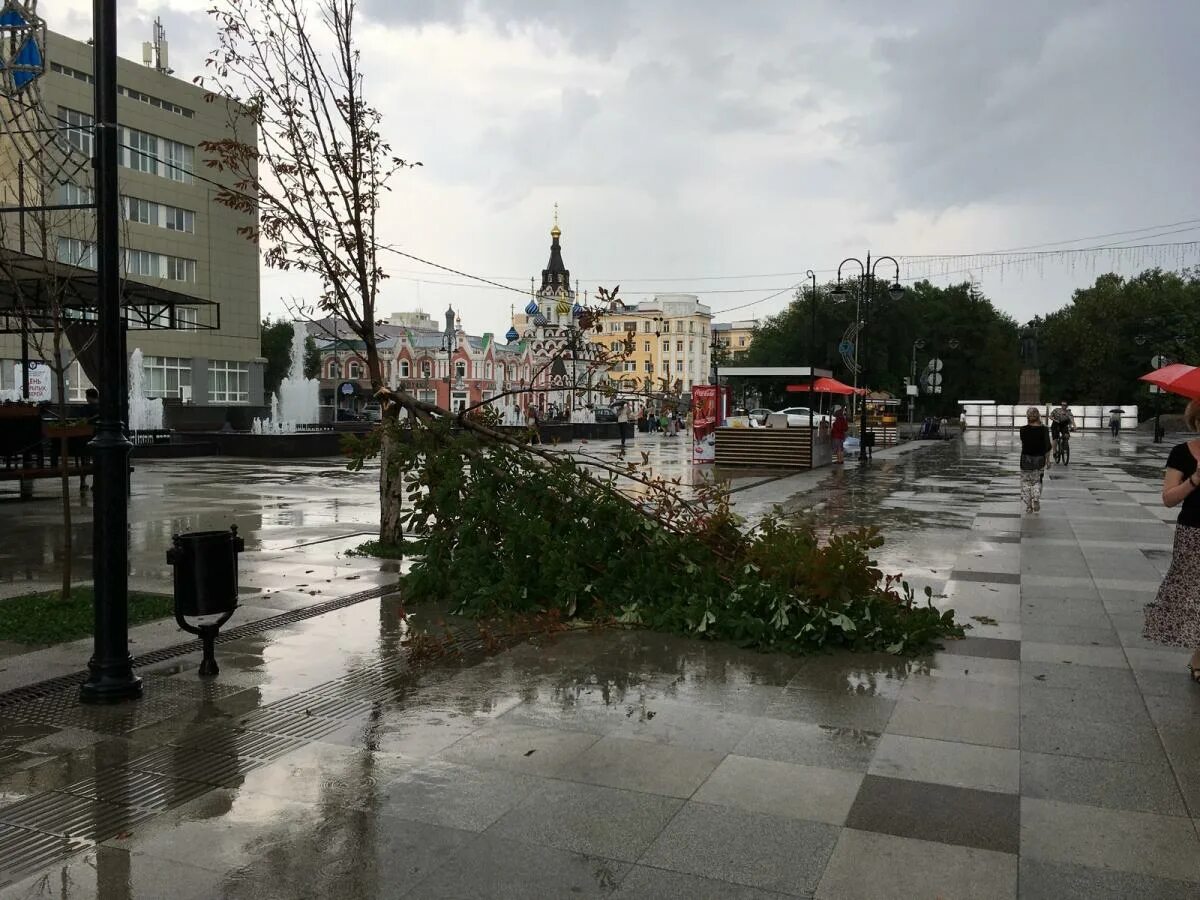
144, 414
297, 401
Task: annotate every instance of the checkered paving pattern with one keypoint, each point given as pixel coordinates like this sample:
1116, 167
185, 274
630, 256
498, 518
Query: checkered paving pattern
1051, 754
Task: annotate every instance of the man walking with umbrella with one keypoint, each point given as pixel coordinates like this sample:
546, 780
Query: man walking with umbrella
1114, 421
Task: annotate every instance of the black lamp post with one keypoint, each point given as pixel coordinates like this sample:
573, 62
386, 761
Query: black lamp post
450, 344
1159, 360
812, 348
866, 283
110, 670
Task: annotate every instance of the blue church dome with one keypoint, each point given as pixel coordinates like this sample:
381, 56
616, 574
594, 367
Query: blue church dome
576, 310
539, 319
532, 309
511, 335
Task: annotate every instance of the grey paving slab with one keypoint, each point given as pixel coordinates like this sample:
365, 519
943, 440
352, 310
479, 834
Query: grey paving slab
781, 789
646, 883
935, 812
1095, 782
635, 765
1043, 880
770, 852
1098, 740
839, 710
454, 795
1145, 843
104, 872
947, 762
491, 867
519, 748
866, 864
805, 743
588, 819
954, 723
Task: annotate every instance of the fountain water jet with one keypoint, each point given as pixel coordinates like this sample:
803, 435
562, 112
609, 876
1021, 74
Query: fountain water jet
297, 401
144, 414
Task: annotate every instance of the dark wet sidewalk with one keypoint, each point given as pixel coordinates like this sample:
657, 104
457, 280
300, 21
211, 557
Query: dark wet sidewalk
1051, 754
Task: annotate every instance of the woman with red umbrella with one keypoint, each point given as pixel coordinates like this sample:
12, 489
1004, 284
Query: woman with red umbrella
1174, 616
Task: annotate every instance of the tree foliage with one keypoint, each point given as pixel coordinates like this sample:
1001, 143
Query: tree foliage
276, 348
976, 342
502, 529
1094, 349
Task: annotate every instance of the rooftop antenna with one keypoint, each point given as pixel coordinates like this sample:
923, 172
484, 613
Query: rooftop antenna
154, 53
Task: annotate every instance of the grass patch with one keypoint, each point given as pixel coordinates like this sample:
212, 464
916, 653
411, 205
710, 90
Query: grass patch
44, 618
378, 550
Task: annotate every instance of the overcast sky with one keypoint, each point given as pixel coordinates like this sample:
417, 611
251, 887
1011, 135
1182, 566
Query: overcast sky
687, 139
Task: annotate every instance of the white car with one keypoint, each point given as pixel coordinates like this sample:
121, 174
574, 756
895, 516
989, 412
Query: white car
798, 416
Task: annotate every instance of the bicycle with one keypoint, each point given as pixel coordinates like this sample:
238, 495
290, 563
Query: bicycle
1062, 447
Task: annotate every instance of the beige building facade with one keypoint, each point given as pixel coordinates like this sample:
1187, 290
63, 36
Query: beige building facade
736, 337
670, 337
176, 235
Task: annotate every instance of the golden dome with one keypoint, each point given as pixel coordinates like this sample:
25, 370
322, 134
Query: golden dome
555, 231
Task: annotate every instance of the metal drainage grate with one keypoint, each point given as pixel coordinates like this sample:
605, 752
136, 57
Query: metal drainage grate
164, 698
144, 790
52, 685
305, 728
69, 816
23, 852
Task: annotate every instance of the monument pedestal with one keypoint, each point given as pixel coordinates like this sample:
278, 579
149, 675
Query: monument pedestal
1029, 392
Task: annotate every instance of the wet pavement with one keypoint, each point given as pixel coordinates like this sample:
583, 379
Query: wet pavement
1053, 753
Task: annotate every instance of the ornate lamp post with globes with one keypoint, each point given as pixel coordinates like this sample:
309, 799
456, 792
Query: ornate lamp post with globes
866, 285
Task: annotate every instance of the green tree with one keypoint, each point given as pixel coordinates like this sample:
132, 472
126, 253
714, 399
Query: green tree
276, 343
1094, 349
976, 342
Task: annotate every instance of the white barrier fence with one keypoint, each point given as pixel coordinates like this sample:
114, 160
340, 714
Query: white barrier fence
1087, 418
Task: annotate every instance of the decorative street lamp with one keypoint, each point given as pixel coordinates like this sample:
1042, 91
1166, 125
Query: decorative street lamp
110, 670
812, 350
866, 284
1159, 360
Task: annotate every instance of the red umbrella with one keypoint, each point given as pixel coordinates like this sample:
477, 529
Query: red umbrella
1177, 379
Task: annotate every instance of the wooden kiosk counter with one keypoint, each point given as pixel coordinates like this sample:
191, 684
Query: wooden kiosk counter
741, 445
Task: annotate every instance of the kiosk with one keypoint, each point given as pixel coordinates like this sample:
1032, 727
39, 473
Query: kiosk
742, 443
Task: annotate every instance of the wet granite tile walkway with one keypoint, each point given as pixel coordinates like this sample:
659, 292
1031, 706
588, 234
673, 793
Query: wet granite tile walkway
1052, 754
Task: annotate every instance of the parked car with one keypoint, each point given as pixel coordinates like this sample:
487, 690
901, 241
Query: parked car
346, 415
798, 416
372, 412
605, 414
760, 415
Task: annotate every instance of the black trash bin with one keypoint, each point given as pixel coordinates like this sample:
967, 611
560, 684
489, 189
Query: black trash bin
205, 564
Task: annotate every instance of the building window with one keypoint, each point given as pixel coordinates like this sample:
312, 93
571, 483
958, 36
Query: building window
429, 397
630, 366
179, 269
691, 326
678, 327
679, 346
156, 265
333, 369
77, 383
404, 368
78, 130
178, 161
666, 367
741, 342
679, 365
691, 346
141, 262
460, 369
614, 327
646, 326
630, 326
488, 371
645, 346
167, 376
649, 367
75, 195
354, 369
666, 346
142, 211
75, 252
228, 382
426, 369
139, 150
72, 73
176, 219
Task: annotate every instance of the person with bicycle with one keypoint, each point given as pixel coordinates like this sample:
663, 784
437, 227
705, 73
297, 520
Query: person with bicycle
1062, 423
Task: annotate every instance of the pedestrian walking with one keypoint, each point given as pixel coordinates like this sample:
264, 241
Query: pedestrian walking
622, 422
1035, 446
1173, 619
1114, 421
838, 433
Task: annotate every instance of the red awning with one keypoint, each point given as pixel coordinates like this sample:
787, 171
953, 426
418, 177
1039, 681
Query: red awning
824, 386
